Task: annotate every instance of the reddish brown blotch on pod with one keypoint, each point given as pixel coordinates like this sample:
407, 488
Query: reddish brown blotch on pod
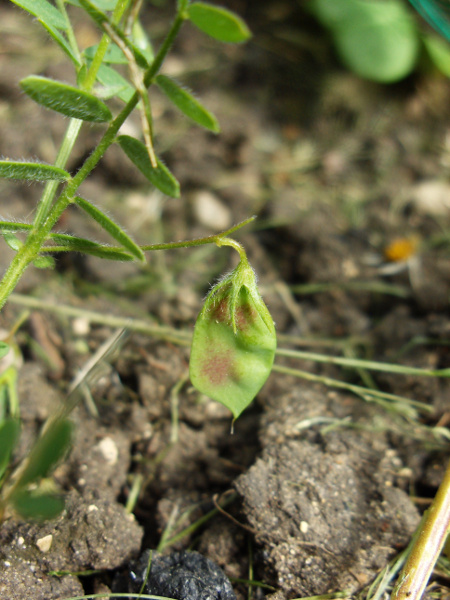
234, 341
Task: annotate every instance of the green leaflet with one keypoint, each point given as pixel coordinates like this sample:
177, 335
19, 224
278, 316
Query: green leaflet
142, 41
12, 240
65, 99
161, 177
70, 243
62, 42
114, 54
44, 262
31, 171
187, 103
218, 22
65, 243
112, 228
44, 11
234, 341
101, 4
101, 19
115, 83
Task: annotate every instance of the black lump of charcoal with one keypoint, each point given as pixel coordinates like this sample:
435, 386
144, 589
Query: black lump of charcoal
181, 575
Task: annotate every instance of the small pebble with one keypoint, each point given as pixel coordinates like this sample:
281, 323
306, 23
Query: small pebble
45, 543
210, 211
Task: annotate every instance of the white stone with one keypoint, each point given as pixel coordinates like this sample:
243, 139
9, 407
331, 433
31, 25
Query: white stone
210, 211
432, 197
45, 543
108, 448
81, 326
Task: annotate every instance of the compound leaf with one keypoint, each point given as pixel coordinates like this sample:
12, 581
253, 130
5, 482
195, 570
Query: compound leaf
31, 171
187, 103
161, 177
65, 99
218, 22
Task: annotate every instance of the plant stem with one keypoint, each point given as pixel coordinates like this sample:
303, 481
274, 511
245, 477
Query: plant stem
65, 150
69, 31
234, 244
398, 402
433, 532
356, 363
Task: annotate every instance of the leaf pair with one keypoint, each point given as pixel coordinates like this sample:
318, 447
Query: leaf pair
234, 341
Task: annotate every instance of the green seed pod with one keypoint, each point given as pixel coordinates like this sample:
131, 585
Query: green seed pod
234, 341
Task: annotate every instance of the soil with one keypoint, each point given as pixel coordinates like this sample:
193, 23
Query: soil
349, 180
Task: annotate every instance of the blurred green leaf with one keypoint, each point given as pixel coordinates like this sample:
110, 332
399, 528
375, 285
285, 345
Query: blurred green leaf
31, 171
439, 52
112, 80
377, 39
62, 42
65, 99
4, 349
32, 505
161, 177
101, 19
44, 262
142, 41
9, 434
47, 451
218, 22
187, 103
114, 54
112, 228
44, 11
101, 4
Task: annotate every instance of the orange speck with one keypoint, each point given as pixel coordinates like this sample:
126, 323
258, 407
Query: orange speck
401, 249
